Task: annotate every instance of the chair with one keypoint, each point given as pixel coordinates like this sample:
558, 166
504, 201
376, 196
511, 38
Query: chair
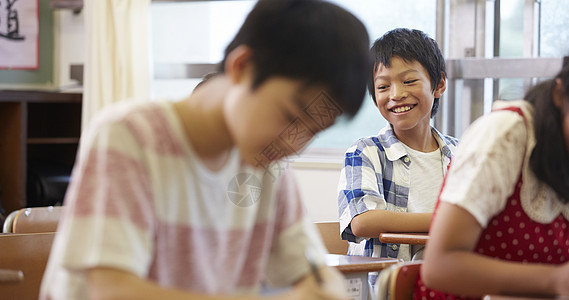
7, 225
330, 233
25, 253
400, 281
33, 220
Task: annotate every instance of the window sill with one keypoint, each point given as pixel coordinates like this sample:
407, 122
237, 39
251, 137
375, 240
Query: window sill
319, 158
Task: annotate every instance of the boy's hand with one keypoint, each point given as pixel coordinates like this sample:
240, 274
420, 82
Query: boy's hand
333, 287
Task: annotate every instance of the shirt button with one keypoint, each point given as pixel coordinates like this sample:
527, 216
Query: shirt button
394, 247
406, 159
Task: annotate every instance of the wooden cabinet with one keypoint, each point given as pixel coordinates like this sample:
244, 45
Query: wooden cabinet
39, 131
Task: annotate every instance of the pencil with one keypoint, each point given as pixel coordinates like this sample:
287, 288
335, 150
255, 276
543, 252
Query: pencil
309, 254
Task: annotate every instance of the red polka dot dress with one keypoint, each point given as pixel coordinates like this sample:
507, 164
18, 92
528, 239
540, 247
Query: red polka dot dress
523, 239
514, 236
523, 220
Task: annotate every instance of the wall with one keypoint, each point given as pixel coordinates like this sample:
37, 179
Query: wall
69, 46
61, 43
318, 189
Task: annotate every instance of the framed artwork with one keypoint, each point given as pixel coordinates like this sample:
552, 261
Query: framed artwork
19, 34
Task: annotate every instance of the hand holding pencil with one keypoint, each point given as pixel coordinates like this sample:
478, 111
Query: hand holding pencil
322, 283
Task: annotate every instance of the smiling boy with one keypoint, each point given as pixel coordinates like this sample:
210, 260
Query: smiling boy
390, 182
183, 200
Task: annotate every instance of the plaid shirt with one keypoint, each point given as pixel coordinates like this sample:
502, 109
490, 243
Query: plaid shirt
376, 176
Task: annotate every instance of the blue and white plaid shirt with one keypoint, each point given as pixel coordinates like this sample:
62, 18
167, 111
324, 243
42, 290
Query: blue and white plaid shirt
376, 176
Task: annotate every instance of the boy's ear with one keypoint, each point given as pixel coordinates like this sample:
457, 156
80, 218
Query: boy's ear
441, 87
238, 63
558, 93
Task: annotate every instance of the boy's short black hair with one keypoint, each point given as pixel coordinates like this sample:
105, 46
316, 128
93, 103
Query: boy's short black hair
549, 159
409, 45
310, 40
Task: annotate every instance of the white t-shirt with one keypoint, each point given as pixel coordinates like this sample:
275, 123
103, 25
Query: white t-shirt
141, 201
426, 170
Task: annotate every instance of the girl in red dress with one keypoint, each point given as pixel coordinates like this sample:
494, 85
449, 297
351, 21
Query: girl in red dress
502, 222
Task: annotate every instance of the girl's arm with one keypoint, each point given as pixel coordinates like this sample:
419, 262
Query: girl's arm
373, 222
450, 264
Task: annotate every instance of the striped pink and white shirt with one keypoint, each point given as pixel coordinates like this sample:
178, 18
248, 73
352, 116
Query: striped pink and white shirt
141, 201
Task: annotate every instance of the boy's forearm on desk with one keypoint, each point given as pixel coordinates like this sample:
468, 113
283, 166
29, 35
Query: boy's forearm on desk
373, 222
111, 284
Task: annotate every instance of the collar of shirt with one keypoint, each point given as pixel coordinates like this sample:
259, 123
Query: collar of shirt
394, 149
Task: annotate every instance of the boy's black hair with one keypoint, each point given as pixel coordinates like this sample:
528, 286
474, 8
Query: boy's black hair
310, 40
549, 159
409, 45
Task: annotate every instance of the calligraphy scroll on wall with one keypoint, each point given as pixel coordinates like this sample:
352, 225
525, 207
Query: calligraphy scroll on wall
19, 34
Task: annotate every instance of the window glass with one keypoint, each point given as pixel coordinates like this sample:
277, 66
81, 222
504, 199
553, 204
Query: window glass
511, 28
511, 46
191, 33
378, 20
554, 21
198, 32
195, 32
553, 38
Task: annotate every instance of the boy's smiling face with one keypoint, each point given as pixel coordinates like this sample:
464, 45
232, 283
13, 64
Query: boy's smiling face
404, 95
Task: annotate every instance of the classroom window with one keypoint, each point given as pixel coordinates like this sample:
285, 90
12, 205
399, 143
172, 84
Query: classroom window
511, 45
197, 32
553, 35
551, 38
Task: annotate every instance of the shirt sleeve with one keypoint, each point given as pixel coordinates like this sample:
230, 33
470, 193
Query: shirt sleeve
295, 233
110, 213
487, 165
360, 187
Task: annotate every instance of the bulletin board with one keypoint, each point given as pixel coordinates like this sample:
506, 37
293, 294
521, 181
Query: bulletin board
19, 34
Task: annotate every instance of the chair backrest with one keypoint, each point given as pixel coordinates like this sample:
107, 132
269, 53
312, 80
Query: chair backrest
402, 280
7, 225
27, 253
33, 220
330, 232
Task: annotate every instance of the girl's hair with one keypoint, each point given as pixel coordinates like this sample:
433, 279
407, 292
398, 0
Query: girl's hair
549, 159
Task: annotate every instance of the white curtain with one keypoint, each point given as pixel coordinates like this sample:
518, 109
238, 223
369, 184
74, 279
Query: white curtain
117, 58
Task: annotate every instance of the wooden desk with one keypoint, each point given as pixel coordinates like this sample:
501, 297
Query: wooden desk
502, 297
356, 270
357, 264
404, 238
